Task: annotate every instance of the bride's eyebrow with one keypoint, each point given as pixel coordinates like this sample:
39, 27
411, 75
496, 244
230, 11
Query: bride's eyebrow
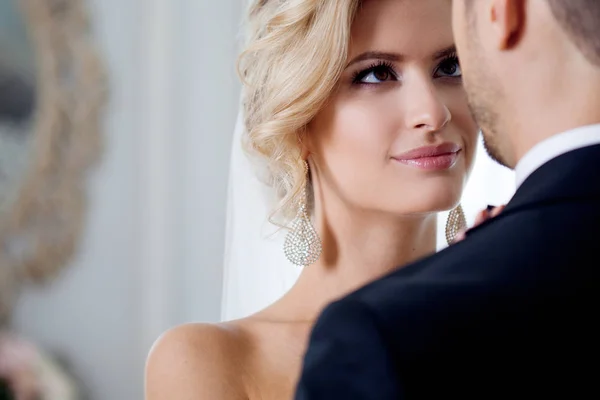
376, 55
448, 51
395, 57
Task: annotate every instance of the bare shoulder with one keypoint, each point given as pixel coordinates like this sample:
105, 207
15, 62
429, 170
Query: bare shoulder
197, 361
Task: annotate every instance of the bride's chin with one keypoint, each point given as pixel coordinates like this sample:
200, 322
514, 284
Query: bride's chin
433, 203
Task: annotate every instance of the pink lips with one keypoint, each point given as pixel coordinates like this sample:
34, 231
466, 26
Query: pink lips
431, 158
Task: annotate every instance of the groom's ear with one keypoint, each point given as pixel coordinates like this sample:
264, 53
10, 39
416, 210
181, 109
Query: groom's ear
507, 18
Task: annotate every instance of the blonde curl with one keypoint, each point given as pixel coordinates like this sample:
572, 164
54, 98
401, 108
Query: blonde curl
292, 62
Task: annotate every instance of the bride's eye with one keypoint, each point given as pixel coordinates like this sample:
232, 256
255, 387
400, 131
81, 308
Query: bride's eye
376, 74
449, 68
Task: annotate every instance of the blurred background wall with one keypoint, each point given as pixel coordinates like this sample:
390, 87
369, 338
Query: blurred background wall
157, 198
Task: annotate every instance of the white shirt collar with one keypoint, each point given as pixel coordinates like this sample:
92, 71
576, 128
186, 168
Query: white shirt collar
555, 146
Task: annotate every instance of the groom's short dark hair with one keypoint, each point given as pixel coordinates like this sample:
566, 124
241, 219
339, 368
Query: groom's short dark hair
580, 19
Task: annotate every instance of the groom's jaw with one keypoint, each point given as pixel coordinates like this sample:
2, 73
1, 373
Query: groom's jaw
534, 66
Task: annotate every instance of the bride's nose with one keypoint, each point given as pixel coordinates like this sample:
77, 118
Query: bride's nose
425, 109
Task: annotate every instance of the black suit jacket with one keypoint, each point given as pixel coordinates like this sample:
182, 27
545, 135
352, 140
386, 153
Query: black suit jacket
510, 312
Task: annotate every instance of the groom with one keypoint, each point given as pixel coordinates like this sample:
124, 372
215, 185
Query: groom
510, 312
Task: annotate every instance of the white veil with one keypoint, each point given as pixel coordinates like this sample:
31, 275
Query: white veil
256, 271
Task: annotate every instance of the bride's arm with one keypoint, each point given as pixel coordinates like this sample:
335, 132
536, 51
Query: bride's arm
193, 362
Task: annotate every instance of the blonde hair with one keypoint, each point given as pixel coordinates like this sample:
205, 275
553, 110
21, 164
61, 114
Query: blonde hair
296, 52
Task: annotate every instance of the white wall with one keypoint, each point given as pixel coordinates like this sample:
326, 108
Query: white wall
151, 256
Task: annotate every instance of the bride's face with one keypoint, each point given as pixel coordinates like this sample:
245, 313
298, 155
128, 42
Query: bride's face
397, 135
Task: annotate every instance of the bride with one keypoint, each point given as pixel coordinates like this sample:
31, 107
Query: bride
357, 112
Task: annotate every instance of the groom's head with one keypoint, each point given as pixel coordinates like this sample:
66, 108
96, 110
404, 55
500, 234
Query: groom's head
531, 68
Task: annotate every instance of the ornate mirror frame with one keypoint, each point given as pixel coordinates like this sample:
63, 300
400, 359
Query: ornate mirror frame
41, 229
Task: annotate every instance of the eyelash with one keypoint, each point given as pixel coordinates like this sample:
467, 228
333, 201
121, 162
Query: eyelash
389, 67
450, 57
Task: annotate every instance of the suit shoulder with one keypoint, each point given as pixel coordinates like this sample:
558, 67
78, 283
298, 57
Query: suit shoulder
343, 313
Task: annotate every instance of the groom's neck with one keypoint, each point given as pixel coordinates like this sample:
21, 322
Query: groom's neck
564, 105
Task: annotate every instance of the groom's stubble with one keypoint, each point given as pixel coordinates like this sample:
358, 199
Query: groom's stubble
484, 95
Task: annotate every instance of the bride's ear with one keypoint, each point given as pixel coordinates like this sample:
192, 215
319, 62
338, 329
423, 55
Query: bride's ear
305, 154
304, 144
